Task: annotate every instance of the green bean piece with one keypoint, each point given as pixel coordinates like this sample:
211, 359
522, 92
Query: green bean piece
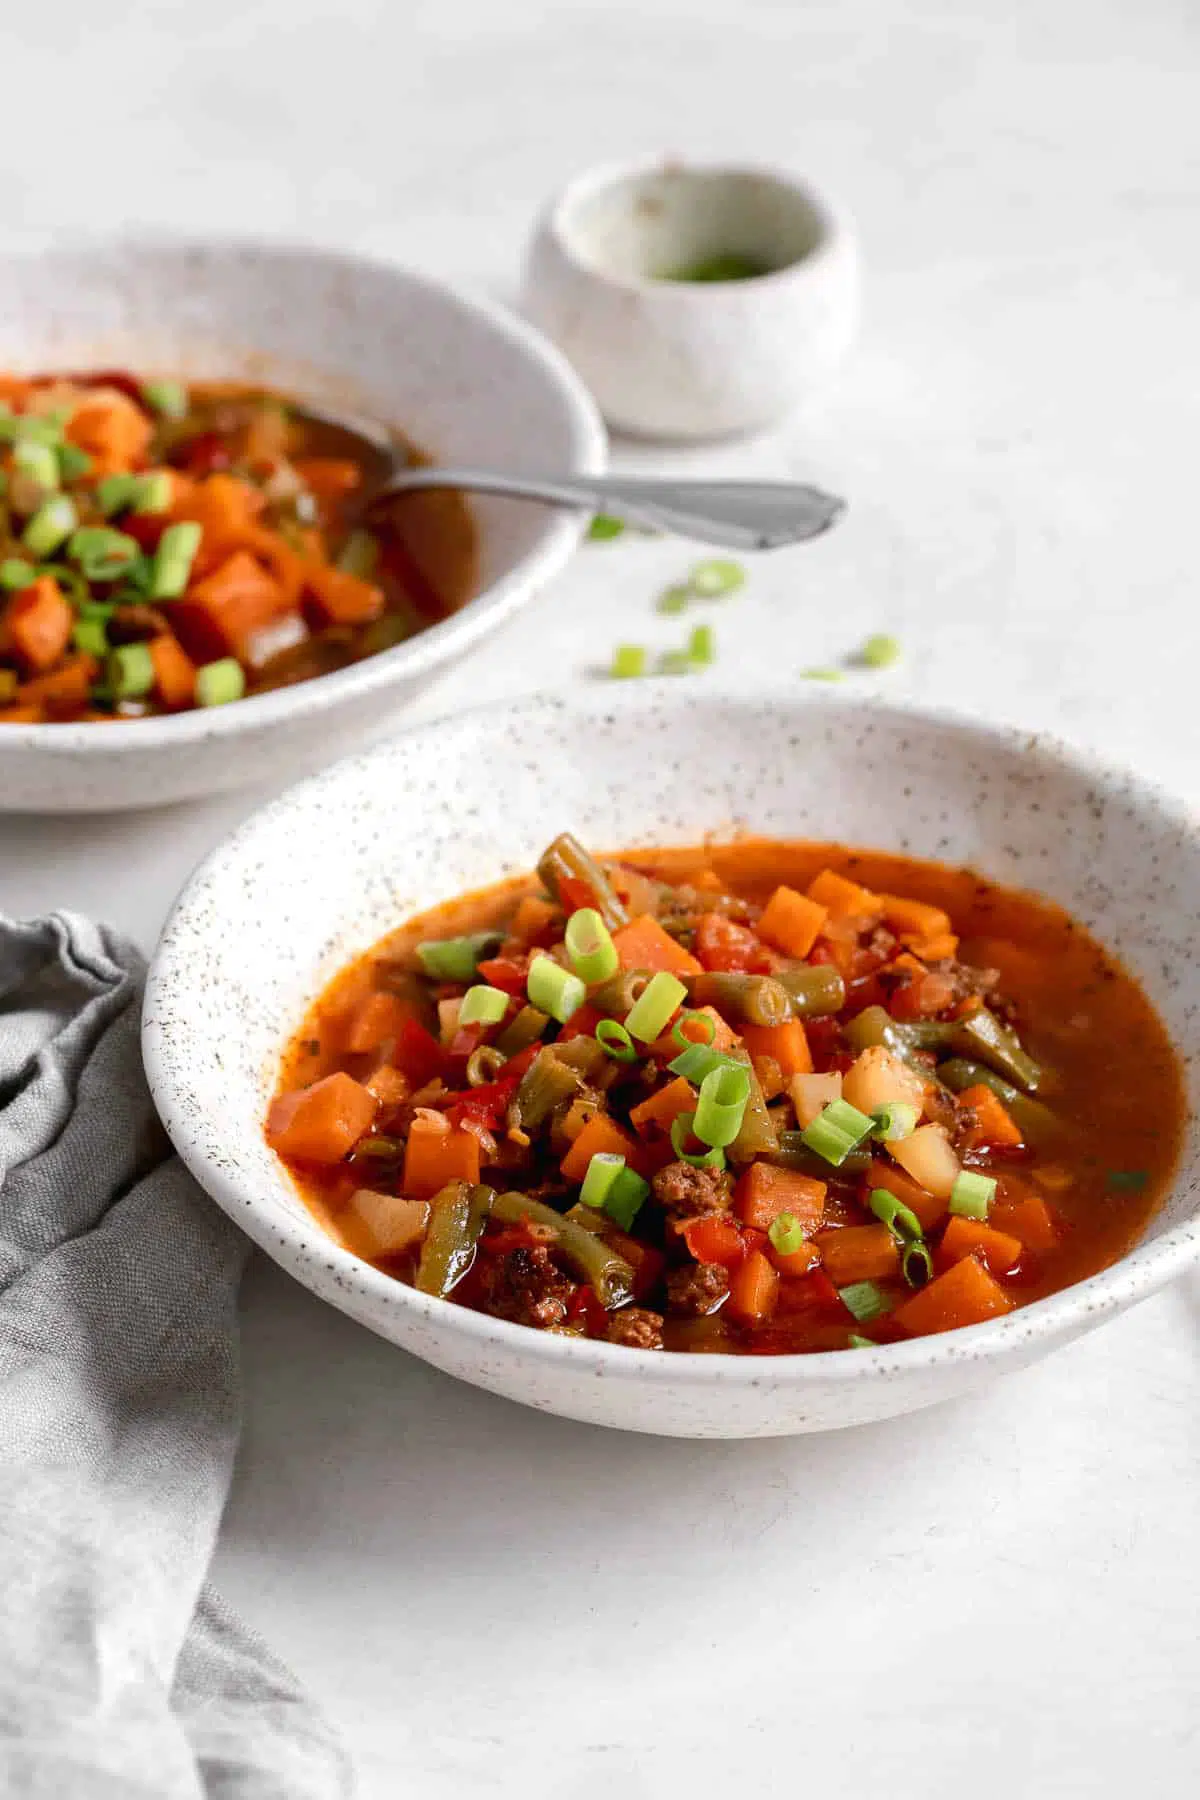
525, 1029
379, 1145
457, 1216
985, 1038
584, 1054
748, 999
1036, 1121
484, 1064
567, 860
793, 1153
609, 1275
816, 990
616, 997
546, 1083
759, 1135
873, 1027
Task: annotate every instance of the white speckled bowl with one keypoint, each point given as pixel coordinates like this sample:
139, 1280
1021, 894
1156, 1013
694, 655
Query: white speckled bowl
690, 360
327, 870
468, 382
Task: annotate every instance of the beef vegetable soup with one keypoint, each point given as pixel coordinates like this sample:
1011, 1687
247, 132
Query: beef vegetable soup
164, 547
761, 1098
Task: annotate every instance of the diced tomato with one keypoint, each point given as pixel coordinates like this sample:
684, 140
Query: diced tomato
582, 1023
584, 1307
103, 378
824, 1041
723, 946
813, 1292
715, 1239
204, 454
485, 1105
573, 894
464, 1043
508, 973
418, 1053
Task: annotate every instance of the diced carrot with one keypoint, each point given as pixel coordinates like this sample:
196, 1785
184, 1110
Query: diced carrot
37, 623
339, 598
753, 1289
22, 715
68, 686
796, 1262
330, 478
321, 1123
933, 949
377, 1017
643, 944
841, 898
715, 1238
221, 613
994, 1124
927, 1207
113, 430
223, 506
929, 992
174, 672
792, 921
15, 391
533, 917
663, 1108
437, 1152
968, 1237
1024, 1215
786, 1043
964, 1295
723, 946
915, 916
288, 567
858, 1253
764, 1191
599, 1134
389, 1086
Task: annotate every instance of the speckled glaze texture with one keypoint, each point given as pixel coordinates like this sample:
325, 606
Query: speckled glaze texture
325, 871
467, 381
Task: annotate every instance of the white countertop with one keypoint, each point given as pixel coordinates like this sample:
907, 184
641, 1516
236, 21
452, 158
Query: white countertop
994, 1598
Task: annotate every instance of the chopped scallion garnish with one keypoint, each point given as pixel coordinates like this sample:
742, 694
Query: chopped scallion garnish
130, 671
916, 1264
674, 600
722, 1105
629, 661
553, 989
169, 399
651, 1012
675, 662
822, 675
599, 1176
900, 1220
698, 1061
359, 555
972, 1194
786, 1233
701, 646
116, 492
16, 574
90, 636
52, 523
615, 1041
609, 1185
894, 1121
102, 554
173, 560
38, 462
152, 493
218, 683
457, 958
483, 1005
590, 947
837, 1129
880, 651
712, 579
858, 1342
603, 526
682, 1127
865, 1300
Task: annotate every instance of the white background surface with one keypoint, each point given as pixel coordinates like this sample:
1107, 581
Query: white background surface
997, 1598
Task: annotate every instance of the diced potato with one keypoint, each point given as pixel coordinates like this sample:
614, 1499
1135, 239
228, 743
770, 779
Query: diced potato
812, 1093
879, 1079
386, 1222
928, 1156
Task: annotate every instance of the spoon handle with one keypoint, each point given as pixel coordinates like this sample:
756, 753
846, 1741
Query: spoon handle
738, 515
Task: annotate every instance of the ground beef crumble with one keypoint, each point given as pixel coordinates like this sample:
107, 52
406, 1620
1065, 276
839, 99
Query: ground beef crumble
636, 1328
525, 1286
687, 1192
695, 1291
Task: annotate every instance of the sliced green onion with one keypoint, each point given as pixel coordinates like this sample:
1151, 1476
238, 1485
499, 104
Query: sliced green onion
625, 1198
72, 461
52, 523
837, 1129
102, 554
483, 1005
880, 651
590, 947
684, 1038
916, 1264
675, 600
699, 1061
457, 958
220, 682
615, 1041
675, 662
603, 527
116, 492
702, 647
712, 579
359, 555
651, 1012
683, 1127
169, 399
629, 661
32, 428
152, 493
865, 1300
1117, 1181
553, 989
16, 574
900, 1220
90, 636
173, 560
894, 1121
821, 675
130, 671
38, 461
599, 1176
972, 1194
786, 1233
722, 1105
858, 1342
72, 584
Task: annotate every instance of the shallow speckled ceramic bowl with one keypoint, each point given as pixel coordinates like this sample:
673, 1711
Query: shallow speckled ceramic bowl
324, 872
467, 382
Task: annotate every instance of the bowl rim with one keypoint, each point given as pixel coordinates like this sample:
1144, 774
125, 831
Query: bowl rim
298, 1244
563, 529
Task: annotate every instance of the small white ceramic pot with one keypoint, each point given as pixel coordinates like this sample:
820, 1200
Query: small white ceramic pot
689, 359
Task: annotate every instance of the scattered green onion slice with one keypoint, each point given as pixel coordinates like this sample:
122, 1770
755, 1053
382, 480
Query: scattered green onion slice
38, 461
675, 662
683, 1036
599, 1176
712, 579
699, 1061
880, 651
90, 636
894, 1121
615, 1041
858, 1342
483, 1005
169, 399
651, 1012
590, 947
31, 428
52, 523
900, 1220
1118, 1181
14, 573
786, 1233
553, 989
359, 555
102, 554
629, 661
72, 461
130, 671
116, 492
217, 683
152, 494
674, 600
972, 1194
722, 1105
173, 560
604, 526
702, 647
683, 1127
837, 1129
456, 958
625, 1198
866, 1300
821, 675
916, 1264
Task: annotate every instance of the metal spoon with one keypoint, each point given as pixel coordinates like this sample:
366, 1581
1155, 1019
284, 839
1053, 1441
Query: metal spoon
738, 515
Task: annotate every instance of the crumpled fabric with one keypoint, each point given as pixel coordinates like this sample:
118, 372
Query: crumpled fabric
122, 1673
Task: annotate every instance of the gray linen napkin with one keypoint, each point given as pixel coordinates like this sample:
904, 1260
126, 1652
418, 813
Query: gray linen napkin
121, 1673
